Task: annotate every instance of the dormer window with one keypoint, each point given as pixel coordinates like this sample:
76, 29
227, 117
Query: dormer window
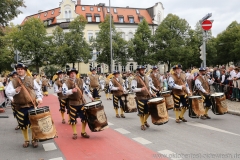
108, 10
45, 14
131, 19
99, 9
89, 17
140, 18
97, 17
120, 18
52, 11
83, 8
115, 10
91, 8
137, 11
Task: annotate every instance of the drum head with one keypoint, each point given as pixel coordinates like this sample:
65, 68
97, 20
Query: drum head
155, 99
217, 94
164, 92
193, 97
95, 103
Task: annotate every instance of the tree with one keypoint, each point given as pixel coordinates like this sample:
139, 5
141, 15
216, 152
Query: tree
32, 42
77, 47
102, 44
171, 39
9, 10
140, 45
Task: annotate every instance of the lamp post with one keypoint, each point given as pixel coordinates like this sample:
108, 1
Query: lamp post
111, 67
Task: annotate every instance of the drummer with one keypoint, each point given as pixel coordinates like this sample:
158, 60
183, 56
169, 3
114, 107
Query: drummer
180, 90
74, 88
156, 80
62, 98
202, 84
94, 83
24, 91
140, 85
117, 86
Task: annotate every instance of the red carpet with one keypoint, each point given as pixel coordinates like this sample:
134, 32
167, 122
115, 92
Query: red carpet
105, 145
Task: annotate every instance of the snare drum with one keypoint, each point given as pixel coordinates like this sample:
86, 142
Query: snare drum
168, 99
196, 108
96, 117
158, 111
129, 102
42, 125
219, 103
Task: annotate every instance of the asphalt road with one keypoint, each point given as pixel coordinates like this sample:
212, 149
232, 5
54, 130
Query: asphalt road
217, 138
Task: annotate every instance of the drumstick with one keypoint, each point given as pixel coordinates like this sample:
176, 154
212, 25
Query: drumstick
144, 85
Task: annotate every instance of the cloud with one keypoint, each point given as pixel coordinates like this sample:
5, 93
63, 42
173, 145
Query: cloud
224, 12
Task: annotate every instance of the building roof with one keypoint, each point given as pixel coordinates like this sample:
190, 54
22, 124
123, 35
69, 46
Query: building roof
97, 11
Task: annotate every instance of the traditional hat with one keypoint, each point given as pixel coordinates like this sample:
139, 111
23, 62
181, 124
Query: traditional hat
93, 69
202, 69
12, 73
59, 72
21, 65
116, 72
154, 67
177, 66
141, 67
34, 74
72, 70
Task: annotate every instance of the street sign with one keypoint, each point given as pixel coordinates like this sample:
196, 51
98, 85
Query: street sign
206, 25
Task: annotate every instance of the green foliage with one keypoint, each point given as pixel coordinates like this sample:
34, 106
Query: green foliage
76, 48
9, 10
140, 45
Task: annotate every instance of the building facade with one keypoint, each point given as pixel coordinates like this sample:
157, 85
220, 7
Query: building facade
126, 20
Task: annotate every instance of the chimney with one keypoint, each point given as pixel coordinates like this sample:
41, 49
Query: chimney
78, 2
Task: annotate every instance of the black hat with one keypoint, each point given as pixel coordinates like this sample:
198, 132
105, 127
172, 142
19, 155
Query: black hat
34, 74
177, 66
72, 70
93, 69
21, 65
154, 67
141, 67
116, 72
12, 73
59, 72
202, 69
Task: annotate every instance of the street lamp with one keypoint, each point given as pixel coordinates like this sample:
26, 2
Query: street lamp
111, 67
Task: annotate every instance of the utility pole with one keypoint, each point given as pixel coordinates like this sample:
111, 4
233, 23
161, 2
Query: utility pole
111, 67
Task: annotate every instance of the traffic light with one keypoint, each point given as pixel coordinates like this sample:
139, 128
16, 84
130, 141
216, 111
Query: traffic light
67, 67
201, 52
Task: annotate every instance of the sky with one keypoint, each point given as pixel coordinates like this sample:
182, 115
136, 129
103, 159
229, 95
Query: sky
223, 12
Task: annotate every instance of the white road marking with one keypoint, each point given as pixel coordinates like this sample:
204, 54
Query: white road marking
142, 140
191, 123
121, 130
59, 158
49, 146
110, 124
169, 154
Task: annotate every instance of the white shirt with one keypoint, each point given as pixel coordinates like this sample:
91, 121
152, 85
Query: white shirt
172, 84
232, 74
11, 92
113, 88
223, 78
55, 87
134, 86
199, 86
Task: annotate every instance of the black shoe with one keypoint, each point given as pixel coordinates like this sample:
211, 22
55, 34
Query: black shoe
143, 127
207, 117
122, 115
117, 115
182, 119
203, 117
146, 124
177, 121
85, 135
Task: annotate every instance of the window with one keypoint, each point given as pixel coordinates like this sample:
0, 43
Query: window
116, 67
97, 19
159, 18
91, 8
90, 36
99, 9
108, 10
131, 20
115, 10
49, 22
123, 69
137, 11
131, 67
45, 14
96, 33
39, 16
130, 35
83, 8
120, 19
52, 11
66, 14
69, 14
89, 19
140, 19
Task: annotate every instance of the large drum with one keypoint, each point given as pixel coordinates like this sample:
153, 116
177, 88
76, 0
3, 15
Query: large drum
42, 125
196, 108
96, 117
129, 102
158, 111
219, 103
168, 99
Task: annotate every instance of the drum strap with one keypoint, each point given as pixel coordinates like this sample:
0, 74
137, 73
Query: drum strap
144, 85
20, 82
84, 101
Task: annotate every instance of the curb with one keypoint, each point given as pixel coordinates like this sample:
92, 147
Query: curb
233, 112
